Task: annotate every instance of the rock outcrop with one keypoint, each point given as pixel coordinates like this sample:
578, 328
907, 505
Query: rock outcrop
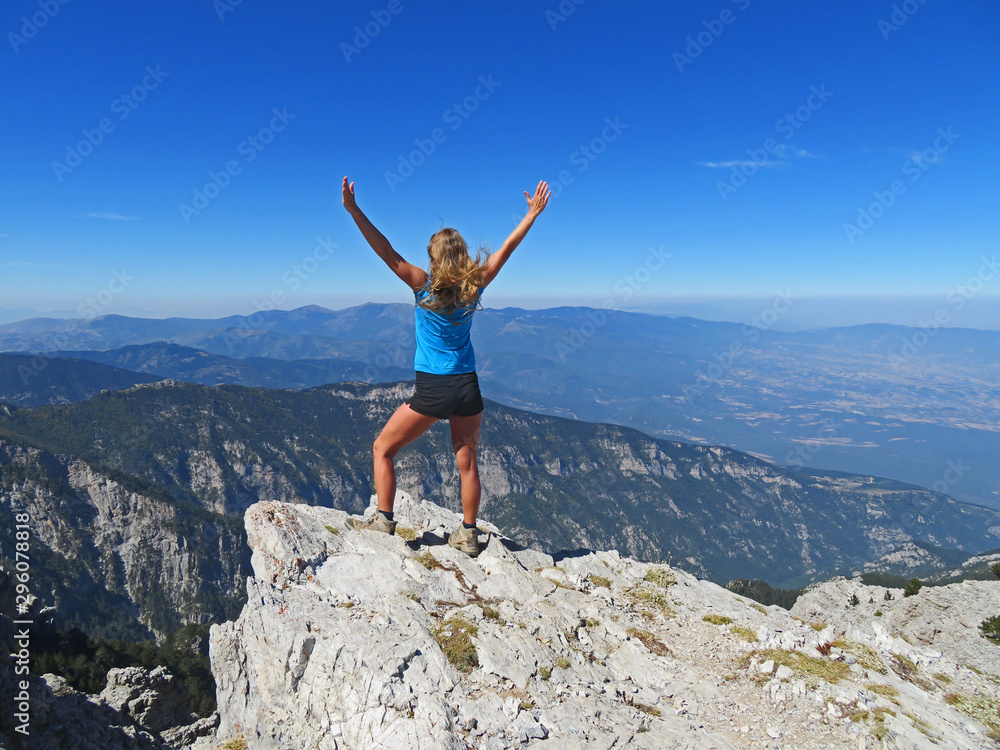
357, 640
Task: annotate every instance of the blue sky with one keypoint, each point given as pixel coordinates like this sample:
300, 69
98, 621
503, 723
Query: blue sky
836, 150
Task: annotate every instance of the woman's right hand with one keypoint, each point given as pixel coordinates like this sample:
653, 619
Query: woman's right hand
538, 201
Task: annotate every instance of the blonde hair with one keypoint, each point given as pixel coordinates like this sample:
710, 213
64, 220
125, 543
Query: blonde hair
454, 278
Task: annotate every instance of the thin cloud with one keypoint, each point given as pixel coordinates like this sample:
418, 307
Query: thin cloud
111, 216
736, 163
783, 153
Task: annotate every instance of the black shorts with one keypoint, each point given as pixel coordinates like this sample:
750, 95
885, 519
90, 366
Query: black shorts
442, 396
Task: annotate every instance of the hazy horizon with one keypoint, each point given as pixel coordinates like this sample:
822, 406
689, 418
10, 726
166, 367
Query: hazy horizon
790, 312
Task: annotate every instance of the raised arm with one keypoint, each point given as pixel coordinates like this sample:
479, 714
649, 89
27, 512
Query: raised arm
414, 277
536, 204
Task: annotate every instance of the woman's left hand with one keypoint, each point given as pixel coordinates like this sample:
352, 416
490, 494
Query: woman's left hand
349, 203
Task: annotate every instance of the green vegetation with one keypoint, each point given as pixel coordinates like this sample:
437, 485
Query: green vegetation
743, 632
764, 593
405, 532
562, 663
492, 613
454, 636
854, 601
717, 619
995, 569
641, 597
332, 530
428, 560
600, 581
660, 576
867, 657
990, 628
887, 691
913, 587
802, 665
84, 662
979, 707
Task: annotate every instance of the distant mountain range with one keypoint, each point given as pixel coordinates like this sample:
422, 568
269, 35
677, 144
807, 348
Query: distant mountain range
136, 497
917, 405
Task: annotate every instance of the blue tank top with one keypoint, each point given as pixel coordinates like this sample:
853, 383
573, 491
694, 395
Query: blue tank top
444, 343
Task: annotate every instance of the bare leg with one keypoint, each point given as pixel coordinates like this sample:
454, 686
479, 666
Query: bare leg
403, 427
465, 443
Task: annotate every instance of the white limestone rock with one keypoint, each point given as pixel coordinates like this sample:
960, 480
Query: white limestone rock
340, 646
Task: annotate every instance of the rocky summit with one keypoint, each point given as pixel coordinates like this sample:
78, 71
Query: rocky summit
357, 640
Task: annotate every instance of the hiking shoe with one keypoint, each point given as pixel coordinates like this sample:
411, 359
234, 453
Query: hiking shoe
375, 523
466, 540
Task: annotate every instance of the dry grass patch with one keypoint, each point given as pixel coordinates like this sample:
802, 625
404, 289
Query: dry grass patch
236, 743
716, 619
744, 633
454, 636
818, 626
650, 641
492, 613
981, 708
641, 597
759, 607
428, 560
906, 669
802, 665
867, 657
406, 533
662, 578
650, 710
600, 581
887, 691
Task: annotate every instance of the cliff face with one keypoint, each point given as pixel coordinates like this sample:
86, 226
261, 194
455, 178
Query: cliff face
716, 512
354, 640
120, 559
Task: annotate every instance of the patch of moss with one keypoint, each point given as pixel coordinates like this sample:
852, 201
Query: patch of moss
454, 636
562, 663
332, 530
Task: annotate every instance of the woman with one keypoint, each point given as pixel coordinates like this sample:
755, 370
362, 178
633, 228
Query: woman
446, 387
